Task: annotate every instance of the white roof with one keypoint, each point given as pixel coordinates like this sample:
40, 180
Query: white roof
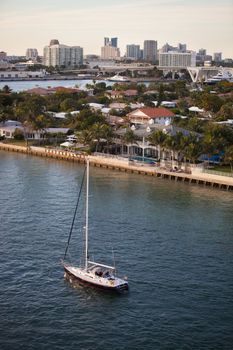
195, 109
56, 130
96, 105
66, 144
105, 110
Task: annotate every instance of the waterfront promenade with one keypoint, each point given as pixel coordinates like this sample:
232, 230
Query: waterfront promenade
123, 164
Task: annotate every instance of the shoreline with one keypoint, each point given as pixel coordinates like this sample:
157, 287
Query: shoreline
57, 78
123, 165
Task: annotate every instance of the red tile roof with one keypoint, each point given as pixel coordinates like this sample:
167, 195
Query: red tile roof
65, 89
38, 91
155, 112
131, 92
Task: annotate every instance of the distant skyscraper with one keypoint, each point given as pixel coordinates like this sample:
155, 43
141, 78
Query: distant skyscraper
150, 51
31, 54
114, 42
109, 52
182, 47
3, 55
106, 41
110, 42
62, 55
202, 52
133, 52
217, 57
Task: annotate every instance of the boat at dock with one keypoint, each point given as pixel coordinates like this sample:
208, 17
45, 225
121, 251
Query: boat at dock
91, 273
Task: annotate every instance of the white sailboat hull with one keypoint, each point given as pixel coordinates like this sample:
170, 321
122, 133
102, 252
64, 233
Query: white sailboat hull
88, 277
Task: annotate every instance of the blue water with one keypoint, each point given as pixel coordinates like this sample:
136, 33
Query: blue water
174, 241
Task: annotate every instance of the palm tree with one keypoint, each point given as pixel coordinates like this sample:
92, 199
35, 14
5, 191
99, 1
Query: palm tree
193, 151
158, 139
6, 89
129, 138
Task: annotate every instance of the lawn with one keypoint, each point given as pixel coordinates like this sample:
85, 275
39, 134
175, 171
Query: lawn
222, 168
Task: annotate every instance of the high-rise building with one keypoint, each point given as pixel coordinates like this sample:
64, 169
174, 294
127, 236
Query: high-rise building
31, 54
217, 57
106, 41
181, 47
150, 51
3, 55
114, 42
110, 42
109, 52
59, 55
177, 59
202, 52
133, 51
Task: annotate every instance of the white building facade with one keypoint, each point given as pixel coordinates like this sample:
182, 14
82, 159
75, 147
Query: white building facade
177, 59
31, 54
62, 55
109, 52
133, 51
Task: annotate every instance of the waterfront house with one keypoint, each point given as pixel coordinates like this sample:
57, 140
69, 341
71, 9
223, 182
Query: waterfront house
150, 115
9, 127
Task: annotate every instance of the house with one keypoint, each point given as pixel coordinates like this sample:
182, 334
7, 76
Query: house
95, 106
150, 115
52, 90
8, 128
167, 104
39, 91
117, 106
130, 93
8, 131
115, 94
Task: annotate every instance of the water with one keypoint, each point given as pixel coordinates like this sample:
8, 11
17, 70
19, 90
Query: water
174, 241
18, 86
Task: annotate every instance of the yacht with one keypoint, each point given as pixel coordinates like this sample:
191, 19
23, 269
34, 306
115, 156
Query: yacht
119, 79
220, 77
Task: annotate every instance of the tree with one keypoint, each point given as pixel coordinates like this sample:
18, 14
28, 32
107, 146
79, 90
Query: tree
18, 134
6, 89
161, 95
228, 157
225, 112
193, 151
129, 138
157, 138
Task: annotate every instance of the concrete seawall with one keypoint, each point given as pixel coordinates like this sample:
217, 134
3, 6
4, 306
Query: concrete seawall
123, 164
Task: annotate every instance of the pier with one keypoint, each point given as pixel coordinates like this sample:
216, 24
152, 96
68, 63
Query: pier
124, 165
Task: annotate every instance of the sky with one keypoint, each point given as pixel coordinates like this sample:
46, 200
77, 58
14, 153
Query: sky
198, 23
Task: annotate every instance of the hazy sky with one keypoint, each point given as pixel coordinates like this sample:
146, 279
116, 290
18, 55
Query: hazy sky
198, 23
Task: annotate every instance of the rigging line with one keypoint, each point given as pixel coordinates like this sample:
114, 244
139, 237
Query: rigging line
76, 208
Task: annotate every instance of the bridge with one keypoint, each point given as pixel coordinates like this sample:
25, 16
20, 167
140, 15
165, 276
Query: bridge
197, 74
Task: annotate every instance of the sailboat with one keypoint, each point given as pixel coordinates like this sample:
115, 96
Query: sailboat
92, 273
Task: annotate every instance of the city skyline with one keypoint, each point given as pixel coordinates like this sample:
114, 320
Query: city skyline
200, 24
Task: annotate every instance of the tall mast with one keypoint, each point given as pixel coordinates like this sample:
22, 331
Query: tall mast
87, 200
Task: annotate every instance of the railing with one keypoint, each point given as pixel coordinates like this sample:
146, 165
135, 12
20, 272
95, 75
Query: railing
112, 156
220, 173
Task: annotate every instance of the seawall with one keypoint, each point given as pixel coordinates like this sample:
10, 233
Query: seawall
123, 164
